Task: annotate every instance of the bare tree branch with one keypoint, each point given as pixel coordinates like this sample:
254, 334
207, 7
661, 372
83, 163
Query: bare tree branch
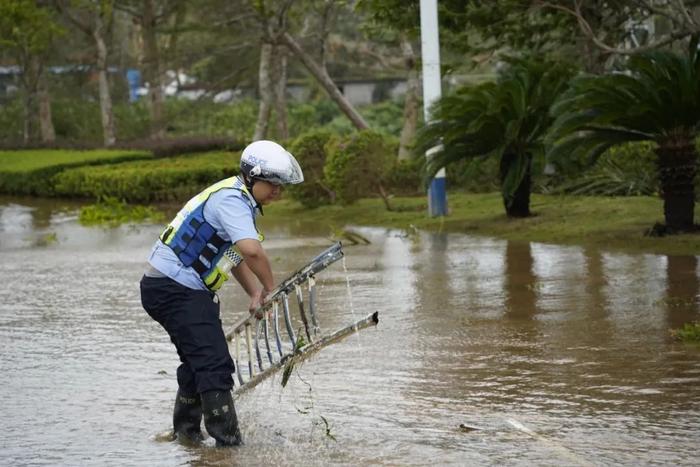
590, 33
685, 13
652, 8
124, 8
282, 15
233, 20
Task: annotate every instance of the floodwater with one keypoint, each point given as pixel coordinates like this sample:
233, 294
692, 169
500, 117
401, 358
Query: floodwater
558, 355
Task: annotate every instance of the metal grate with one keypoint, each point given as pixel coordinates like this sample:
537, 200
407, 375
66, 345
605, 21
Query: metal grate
259, 347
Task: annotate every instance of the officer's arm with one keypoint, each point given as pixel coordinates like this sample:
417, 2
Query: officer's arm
246, 278
256, 259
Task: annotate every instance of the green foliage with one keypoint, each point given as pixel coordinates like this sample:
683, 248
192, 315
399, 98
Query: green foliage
390, 16
76, 120
112, 212
309, 150
690, 332
624, 170
358, 164
31, 172
305, 115
406, 177
383, 117
504, 119
131, 119
26, 27
144, 181
11, 120
477, 175
658, 99
79, 119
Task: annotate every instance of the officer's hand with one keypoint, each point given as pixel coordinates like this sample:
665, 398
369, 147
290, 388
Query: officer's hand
256, 302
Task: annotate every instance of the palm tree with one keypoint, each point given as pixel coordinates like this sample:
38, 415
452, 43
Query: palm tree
656, 99
506, 118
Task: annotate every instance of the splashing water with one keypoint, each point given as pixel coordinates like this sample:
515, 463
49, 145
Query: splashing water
352, 306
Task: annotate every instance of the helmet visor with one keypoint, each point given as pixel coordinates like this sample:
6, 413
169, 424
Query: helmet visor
288, 173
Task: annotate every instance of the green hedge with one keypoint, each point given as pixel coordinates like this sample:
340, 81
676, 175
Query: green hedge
172, 179
31, 172
358, 164
309, 150
406, 178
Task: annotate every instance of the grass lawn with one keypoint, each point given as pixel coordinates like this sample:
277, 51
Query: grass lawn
610, 223
30, 172
31, 160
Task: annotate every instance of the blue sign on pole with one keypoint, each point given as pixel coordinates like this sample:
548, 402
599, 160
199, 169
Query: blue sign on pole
133, 78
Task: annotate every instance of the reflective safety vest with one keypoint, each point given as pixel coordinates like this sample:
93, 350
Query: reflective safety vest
195, 241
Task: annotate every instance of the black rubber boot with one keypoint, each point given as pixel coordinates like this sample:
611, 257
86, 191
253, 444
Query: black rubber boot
220, 418
187, 417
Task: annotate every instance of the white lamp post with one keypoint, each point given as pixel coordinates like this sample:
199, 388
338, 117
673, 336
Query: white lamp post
432, 90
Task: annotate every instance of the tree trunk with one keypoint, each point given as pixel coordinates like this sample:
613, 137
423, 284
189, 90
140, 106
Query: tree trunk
281, 91
48, 135
266, 92
519, 205
410, 108
29, 115
385, 196
321, 75
106, 113
677, 167
152, 69
30, 82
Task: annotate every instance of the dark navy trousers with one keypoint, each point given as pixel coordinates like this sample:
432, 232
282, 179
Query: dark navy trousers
192, 319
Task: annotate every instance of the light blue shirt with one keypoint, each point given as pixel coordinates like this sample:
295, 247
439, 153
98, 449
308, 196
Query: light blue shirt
231, 213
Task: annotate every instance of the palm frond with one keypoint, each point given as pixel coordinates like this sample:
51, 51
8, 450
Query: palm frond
511, 113
657, 95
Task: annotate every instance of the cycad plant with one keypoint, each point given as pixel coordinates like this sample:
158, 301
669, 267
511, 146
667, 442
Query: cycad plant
656, 99
506, 119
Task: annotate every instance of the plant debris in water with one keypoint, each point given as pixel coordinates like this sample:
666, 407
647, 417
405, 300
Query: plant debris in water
349, 236
291, 361
289, 367
690, 332
47, 239
113, 212
327, 427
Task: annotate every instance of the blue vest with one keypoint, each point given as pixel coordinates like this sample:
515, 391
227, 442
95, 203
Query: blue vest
195, 241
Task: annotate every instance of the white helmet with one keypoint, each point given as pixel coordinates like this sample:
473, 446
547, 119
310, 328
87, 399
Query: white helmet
267, 160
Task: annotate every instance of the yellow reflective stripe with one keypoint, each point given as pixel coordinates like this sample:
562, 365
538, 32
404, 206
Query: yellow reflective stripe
215, 280
167, 234
192, 204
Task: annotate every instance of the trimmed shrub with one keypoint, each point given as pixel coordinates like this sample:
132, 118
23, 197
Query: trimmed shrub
32, 172
309, 150
146, 181
185, 145
406, 177
358, 164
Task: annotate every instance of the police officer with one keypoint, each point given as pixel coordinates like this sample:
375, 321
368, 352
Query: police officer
213, 236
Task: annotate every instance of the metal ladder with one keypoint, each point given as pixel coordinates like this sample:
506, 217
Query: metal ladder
253, 363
